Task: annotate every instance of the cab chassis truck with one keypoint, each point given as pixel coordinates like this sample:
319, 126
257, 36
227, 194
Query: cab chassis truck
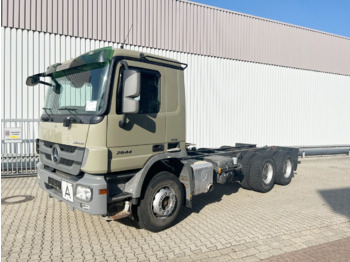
112, 141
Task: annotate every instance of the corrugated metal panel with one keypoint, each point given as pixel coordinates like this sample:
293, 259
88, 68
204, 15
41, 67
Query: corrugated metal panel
228, 101
186, 27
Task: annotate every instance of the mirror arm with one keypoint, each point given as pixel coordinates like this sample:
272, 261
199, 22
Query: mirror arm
44, 83
54, 80
122, 122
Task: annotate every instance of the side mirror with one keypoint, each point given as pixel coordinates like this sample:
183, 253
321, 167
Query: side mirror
131, 91
32, 80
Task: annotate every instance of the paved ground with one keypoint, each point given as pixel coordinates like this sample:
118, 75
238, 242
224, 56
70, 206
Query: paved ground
225, 225
338, 250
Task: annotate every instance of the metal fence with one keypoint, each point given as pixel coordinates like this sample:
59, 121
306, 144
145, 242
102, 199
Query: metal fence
19, 158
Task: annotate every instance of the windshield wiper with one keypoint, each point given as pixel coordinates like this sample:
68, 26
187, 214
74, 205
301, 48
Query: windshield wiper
71, 110
68, 108
45, 109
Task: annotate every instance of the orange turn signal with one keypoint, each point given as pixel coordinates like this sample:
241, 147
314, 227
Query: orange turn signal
103, 191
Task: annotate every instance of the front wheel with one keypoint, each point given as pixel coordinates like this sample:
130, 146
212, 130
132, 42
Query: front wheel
161, 202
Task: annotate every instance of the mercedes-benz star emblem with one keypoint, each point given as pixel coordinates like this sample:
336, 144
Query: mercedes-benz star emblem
55, 157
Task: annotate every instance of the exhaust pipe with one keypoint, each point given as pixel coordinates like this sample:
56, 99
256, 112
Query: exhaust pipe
210, 187
124, 213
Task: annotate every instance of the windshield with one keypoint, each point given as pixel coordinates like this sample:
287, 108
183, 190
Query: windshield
81, 89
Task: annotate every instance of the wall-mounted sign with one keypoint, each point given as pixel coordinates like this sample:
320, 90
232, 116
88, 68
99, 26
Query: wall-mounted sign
13, 134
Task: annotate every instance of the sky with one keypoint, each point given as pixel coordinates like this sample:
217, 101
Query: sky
332, 16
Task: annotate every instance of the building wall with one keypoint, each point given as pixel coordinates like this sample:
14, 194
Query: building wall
186, 27
227, 100
249, 79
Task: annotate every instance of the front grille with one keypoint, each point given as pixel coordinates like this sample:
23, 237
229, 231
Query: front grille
64, 174
48, 156
63, 161
66, 148
66, 162
70, 157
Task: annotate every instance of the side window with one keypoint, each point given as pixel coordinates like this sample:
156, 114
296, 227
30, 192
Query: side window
149, 94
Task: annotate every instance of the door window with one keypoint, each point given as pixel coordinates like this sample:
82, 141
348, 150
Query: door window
150, 92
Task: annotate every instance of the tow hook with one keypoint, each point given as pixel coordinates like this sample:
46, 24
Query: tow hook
124, 213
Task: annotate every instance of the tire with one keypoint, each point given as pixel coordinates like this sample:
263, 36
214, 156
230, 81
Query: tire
246, 162
262, 173
161, 202
285, 170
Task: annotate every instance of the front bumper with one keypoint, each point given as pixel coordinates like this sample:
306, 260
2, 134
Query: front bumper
98, 203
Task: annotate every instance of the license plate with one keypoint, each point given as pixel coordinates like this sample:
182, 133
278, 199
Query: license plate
67, 191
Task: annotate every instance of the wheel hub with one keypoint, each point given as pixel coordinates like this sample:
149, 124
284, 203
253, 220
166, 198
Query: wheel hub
164, 202
287, 168
267, 173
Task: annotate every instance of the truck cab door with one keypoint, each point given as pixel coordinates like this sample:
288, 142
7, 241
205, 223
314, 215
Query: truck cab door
132, 138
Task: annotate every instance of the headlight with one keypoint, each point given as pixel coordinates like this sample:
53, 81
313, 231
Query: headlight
83, 193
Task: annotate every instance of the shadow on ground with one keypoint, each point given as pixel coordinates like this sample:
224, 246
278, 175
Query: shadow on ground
338, 200
198, 202
201, 201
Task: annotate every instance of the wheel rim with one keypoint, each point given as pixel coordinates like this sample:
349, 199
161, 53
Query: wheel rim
267, 173
164, 202
287, 168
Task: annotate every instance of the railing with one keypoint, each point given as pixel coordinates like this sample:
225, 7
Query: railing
19, 158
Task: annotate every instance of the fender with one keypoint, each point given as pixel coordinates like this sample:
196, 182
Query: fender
134, 185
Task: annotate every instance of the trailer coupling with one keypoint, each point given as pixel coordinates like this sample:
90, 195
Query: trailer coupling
122, 214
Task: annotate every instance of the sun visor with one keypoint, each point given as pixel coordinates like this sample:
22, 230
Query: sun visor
101, 55
52, 68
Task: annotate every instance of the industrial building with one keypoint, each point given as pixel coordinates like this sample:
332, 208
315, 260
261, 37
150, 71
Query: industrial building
249, 79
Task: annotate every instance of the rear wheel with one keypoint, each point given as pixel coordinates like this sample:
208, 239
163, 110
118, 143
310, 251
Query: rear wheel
246, 162
262, 173
161, 203
284, 169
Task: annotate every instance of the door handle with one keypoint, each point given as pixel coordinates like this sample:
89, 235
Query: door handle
157, 148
